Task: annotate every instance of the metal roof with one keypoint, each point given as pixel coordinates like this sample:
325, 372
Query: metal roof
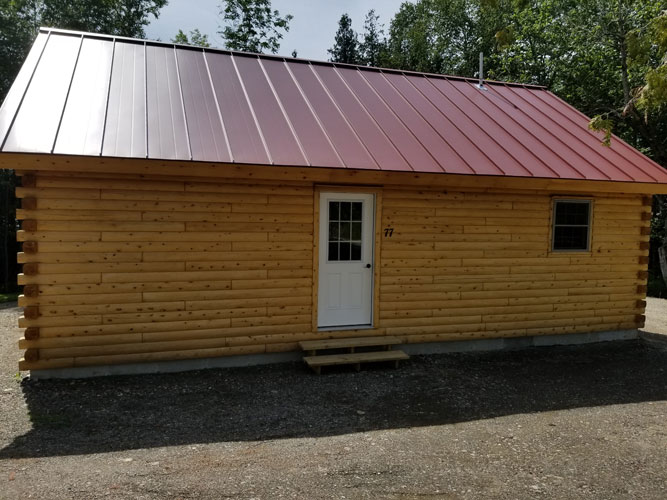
87, 94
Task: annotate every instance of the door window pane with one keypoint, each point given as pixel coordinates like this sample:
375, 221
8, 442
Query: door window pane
345, 230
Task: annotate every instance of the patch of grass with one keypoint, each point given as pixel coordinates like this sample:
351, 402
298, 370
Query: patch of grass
8, 297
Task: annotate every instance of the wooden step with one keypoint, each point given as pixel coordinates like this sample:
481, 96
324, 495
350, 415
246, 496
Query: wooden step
316, 345
317, 362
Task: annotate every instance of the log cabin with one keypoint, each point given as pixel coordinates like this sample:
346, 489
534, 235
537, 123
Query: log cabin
185, 207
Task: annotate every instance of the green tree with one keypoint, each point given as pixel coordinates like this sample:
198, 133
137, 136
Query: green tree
373, 45
346, 45
251, 26
443, 36
195, 38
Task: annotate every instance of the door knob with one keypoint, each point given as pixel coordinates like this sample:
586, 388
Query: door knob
368, 266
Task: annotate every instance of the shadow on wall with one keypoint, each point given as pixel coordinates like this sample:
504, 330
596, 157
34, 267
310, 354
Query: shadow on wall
284, 401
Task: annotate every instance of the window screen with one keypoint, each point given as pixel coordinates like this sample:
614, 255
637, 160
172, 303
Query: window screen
571, 225
345, 230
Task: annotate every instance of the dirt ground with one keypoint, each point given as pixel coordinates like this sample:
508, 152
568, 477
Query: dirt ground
563, 422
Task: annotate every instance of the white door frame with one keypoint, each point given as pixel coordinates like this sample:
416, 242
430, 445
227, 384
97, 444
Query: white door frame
349, 276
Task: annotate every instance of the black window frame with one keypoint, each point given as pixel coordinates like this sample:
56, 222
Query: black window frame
554, 225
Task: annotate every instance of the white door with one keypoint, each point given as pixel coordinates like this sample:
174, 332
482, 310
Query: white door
345, 291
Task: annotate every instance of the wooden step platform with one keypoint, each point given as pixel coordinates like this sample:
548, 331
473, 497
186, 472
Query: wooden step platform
317, 361
311, 346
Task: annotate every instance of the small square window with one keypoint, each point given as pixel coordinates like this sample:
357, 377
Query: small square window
572, 222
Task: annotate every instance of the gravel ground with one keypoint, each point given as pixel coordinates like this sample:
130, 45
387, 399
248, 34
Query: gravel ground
562, 422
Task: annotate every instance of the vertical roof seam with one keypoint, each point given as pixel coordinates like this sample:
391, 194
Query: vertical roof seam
615, 152
217, 106
146, 99
490, 117
282, 109
252, 111
69, 88
481, 151
483, 130
106, 108
340, 112
25, 91
437, 132
568, 133
395, 115
312, 112
377, 125
185, 116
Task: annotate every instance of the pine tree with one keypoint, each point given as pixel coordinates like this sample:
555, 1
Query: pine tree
346, 45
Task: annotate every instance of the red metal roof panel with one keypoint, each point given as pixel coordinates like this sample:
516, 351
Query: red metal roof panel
375, 141
342, 136
125, 129
14, 97
82, 125
275, 129
313, 139
86, 94
208, 140
167, 132
244, 138
38, 118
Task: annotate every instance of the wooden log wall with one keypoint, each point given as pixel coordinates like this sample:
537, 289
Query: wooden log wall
123, 270
478, 265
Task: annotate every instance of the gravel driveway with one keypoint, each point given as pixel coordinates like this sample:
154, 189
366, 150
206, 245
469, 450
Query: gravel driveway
566, 422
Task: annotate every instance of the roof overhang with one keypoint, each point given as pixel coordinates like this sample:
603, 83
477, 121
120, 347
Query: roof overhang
25, 163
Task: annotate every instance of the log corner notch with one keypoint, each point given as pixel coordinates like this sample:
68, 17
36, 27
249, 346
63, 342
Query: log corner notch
29, 225
640, 320
644, 245
642, 275
31, 355
31, 333
643, 260
30, 247
647, 201
31, 290
29, 203
642, 289
31, 269
28, 180
31, 312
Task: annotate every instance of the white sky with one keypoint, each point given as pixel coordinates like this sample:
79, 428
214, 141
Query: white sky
311, 31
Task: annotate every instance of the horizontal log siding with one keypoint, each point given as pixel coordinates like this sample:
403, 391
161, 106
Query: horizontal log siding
142, 270
462, 266
135, 270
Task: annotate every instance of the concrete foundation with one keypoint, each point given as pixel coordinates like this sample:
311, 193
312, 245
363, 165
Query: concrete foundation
263, 359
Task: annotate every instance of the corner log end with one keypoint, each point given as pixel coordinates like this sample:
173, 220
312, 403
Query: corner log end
30, 247
31, 312
28, 181
29, 225
29, 203
31, 355
31, 268
31, 333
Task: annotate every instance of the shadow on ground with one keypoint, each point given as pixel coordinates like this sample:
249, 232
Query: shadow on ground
281, 401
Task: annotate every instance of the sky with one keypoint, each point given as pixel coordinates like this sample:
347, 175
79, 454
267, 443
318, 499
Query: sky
311, 31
